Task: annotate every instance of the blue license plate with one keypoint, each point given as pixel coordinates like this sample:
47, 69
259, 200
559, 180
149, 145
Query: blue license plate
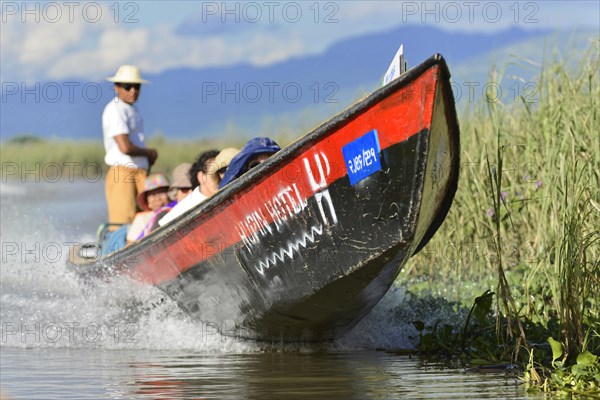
362, 157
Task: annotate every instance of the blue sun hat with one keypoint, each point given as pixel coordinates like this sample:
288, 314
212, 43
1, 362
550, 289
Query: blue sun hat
239, 164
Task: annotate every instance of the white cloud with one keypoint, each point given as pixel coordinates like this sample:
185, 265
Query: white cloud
33, 43
169, 50
81, 48
114, 47
48, 41
160, 49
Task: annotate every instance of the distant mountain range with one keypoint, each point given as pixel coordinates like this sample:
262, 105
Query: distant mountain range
294, 95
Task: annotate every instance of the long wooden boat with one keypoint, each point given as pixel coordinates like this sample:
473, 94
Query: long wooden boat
305, 245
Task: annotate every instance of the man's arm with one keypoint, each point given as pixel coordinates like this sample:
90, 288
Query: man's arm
126, 147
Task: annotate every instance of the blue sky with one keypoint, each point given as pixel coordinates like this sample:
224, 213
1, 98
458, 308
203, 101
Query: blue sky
56, 40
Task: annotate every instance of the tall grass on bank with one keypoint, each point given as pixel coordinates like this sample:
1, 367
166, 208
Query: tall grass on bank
514, 336
578, 266
31, 158
536, 239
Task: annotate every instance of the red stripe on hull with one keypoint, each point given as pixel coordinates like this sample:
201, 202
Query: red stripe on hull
396, 118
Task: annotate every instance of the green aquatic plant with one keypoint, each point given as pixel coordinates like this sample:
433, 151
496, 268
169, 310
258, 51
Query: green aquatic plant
480, 311
469, 342
524, 224
580, 378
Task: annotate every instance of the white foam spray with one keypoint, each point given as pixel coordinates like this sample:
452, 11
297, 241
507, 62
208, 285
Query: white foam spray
43, 304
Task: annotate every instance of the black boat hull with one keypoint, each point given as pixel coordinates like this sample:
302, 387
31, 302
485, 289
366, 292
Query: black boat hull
300, 248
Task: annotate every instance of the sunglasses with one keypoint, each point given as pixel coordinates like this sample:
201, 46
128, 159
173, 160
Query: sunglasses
254, 164
128, 86
259, 160
184, 190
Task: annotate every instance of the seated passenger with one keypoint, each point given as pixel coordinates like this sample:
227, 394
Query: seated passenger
151, 199
223, 160
179, 189
204, 184
181, 185
253, 153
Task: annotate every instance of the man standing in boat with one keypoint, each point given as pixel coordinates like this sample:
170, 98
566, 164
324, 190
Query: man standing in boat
128, 158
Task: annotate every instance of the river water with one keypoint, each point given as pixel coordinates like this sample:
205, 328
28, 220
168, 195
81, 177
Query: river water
62, 339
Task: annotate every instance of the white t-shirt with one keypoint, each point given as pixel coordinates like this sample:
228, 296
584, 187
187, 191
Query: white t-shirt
188, 202
121, 118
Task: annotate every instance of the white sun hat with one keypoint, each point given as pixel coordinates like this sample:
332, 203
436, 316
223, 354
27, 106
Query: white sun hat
127, 74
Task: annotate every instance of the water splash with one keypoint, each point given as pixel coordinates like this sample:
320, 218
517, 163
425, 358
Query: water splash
43, 304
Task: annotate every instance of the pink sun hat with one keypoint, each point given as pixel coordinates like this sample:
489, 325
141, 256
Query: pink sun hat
154, 181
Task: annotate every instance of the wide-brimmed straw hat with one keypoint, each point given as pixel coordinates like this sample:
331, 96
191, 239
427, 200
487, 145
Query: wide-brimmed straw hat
223, 159
180, 179
154, 181
127, 74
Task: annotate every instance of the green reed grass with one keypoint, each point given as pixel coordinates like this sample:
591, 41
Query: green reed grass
28, 157
578, 266
526, 221
541, 143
